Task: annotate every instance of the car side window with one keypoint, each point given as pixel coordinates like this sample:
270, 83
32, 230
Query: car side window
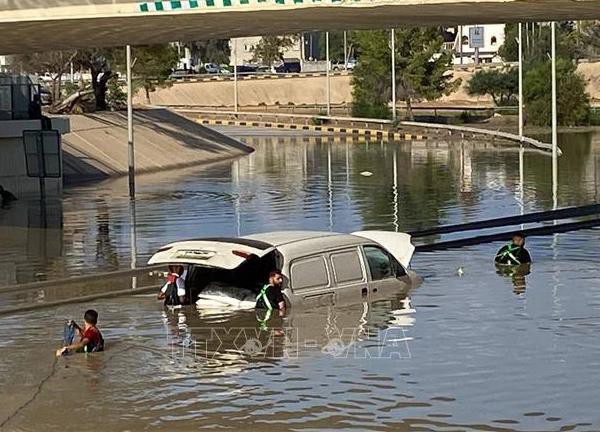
380, 264
347, 267
309, 273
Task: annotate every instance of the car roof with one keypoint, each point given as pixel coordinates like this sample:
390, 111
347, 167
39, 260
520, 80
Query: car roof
294, 244
279, 238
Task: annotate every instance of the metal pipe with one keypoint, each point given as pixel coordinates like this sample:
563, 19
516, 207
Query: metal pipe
520, 80
130, 144
393, 49
235, 76
345, 51
460, 44
328, 83
554, 122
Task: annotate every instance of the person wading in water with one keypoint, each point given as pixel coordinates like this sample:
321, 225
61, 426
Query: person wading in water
514, 253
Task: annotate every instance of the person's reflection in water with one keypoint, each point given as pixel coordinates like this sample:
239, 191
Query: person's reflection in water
517, 274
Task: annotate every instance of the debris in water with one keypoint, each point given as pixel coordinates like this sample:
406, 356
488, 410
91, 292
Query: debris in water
460, 271
366, 173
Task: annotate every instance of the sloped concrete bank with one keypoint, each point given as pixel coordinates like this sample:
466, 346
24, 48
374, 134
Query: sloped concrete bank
96, 147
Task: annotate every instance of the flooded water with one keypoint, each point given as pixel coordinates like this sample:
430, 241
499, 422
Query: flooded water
473, 352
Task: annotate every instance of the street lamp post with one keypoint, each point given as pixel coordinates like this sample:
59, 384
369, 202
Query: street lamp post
554, 122
327, 66
393, 49
235, 76
345, 51
130, 145
521, 81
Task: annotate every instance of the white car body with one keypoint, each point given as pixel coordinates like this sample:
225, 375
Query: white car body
317, 266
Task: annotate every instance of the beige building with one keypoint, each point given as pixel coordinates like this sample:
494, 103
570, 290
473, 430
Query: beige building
242, 49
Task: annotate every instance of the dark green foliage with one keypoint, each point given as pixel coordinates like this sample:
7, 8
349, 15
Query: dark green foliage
501, 85
270, 49
573, 102
422, 70
211, 51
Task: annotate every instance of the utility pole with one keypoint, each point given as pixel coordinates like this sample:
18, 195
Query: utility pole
393, 49
235, 76
328, 83
345, 51
554, 122
460, 44
130, 144
521, 81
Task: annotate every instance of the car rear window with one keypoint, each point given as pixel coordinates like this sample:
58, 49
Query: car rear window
347, 267
309, 273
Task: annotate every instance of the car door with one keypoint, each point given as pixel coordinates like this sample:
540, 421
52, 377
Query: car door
310, 281
385, 272
349, 274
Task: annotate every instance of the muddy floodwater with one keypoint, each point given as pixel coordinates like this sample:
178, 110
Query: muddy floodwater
466, 350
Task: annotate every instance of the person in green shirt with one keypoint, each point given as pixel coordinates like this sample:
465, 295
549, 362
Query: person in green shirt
270, 296
514, 253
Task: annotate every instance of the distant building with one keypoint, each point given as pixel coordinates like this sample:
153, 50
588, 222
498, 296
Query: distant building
245, 47
493, 39
3, 64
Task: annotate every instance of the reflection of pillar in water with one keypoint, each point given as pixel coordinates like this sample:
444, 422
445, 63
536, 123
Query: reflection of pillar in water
347, 165
395, 190
466, 169
329, 187
133, 240
522, 180
235, 175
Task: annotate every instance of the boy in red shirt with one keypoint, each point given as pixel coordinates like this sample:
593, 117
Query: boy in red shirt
91, 339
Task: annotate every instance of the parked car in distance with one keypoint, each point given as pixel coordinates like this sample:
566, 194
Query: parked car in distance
245, 69
317, 266
212, 68
289, 65
179, 74
339, 65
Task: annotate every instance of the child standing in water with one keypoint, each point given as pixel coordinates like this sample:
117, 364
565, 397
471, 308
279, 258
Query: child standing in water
91, 339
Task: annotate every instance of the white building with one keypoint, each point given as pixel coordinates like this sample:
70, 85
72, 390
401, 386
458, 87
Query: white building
3, 64
493, 39
245, 45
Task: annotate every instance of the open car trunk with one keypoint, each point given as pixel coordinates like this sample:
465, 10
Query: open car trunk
242, 282
235, 268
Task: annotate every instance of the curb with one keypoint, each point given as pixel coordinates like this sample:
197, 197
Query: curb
354, 132
191, 79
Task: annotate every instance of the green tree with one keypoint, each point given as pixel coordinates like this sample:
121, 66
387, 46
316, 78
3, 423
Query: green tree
55, 63
270, 49
573, 102
501, 85
211, 51
422, 70
153, 66
98, 62
537, 47
336, 45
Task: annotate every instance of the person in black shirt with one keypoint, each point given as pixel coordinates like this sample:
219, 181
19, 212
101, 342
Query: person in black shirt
270, 296
514, 253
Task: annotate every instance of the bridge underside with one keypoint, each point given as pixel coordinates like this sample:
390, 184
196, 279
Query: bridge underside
62, 24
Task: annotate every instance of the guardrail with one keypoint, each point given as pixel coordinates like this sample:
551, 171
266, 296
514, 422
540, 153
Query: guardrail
253, 76
382, 123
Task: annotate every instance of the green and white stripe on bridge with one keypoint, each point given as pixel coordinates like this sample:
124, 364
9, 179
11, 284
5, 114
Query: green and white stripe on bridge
174, 5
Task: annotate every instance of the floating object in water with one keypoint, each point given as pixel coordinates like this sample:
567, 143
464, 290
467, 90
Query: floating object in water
460, 271
366, 173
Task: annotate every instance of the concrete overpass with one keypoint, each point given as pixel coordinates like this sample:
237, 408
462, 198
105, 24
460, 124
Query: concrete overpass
37, 25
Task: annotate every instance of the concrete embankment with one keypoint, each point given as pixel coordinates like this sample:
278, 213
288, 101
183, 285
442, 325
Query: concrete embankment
309, 90
96, 148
